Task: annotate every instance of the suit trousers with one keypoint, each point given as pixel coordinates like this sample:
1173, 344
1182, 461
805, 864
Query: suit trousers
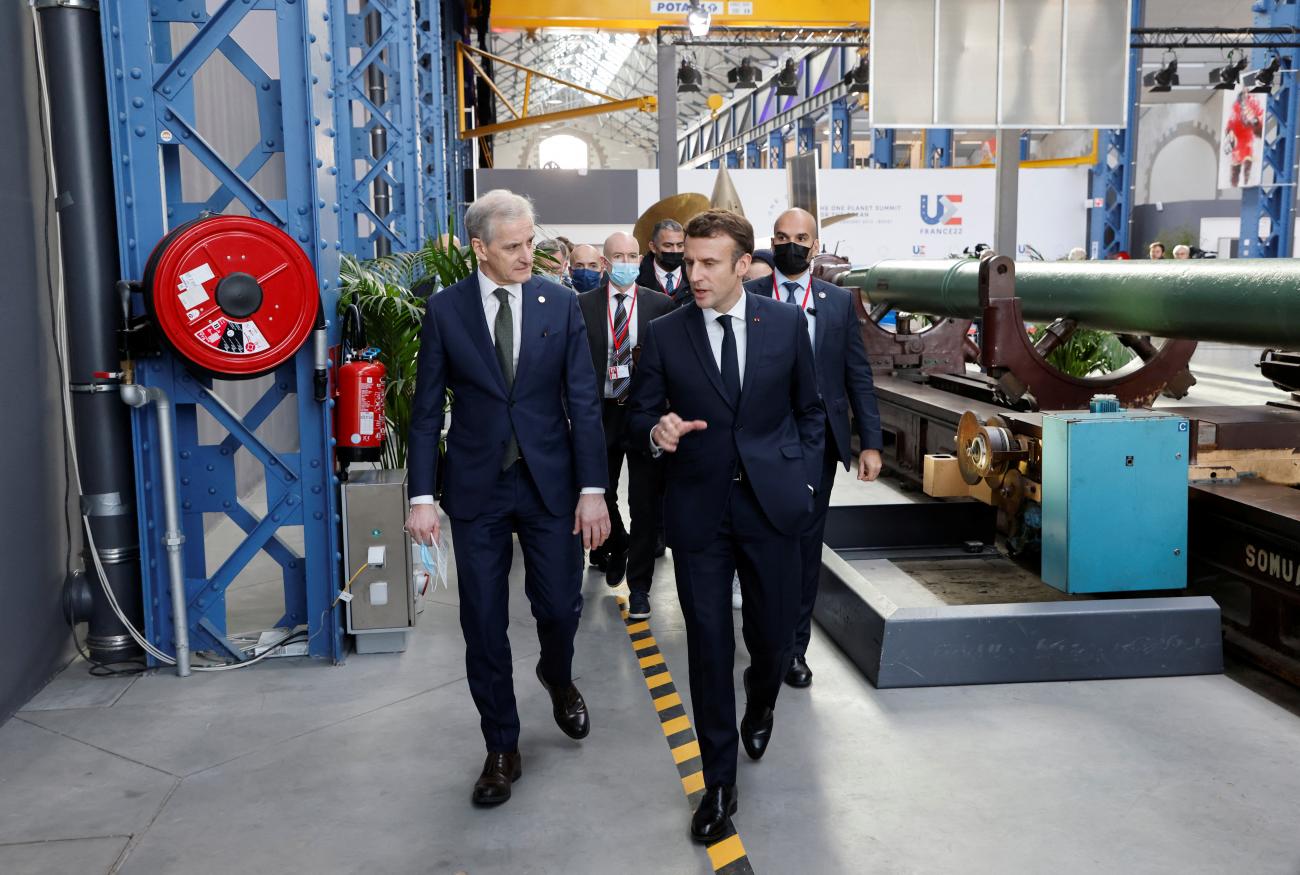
644, 499
552, 582
768, 564
810, 552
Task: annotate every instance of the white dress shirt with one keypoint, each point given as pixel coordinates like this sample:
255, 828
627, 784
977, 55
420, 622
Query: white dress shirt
612, 304
783, 294
713, 328
491, 306
662, 275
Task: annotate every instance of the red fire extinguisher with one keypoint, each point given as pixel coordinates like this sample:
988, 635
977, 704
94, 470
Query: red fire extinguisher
359, 424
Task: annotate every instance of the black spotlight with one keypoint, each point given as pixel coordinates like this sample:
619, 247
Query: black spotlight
787, 81
744, 76
1227, 77
1163, 79
688, 78
1261, 81
859, 78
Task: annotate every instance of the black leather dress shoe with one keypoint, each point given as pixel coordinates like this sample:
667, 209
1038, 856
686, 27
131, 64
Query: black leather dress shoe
615, 568
597, 559
798, 674
569, 708
499, 772
712, 817
660, 547
756, 730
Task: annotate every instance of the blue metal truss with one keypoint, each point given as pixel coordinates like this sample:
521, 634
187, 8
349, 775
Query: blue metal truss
151, 95
776, 149
753, 116
882, 147
1112, 176
1267, 211
389, 50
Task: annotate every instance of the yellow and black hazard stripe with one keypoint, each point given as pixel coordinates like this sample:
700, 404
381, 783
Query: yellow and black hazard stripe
727, 854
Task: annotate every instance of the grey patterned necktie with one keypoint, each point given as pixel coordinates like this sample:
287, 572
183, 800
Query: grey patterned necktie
505, 345
623, 351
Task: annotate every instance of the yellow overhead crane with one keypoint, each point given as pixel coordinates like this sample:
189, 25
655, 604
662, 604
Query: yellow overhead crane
522, 118
643, 16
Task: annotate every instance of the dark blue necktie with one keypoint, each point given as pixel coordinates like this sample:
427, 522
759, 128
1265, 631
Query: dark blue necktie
791, 287
730, 361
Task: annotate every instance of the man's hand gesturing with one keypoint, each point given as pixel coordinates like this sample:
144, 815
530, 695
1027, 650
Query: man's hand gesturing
670, 428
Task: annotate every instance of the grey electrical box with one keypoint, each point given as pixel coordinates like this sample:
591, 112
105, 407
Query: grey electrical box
382, 609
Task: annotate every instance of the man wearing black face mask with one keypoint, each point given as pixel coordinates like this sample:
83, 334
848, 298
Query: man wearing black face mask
662, 267
844, 380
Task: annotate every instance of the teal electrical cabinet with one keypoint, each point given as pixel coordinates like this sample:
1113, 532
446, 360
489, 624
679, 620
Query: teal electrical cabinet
1114, 501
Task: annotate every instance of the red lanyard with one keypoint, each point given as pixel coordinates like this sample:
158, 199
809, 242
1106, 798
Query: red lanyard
627, 326
776, 291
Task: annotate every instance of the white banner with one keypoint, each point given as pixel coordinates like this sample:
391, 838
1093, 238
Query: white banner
916, 213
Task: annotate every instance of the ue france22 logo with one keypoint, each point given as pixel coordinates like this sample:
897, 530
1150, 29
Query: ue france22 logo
948, 213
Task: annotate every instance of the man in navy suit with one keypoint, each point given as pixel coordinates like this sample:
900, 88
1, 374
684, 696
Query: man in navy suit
525, 448
844, 379
726, 389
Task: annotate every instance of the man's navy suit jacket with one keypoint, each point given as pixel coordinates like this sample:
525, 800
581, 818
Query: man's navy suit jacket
554, 405
775, 434
843, 371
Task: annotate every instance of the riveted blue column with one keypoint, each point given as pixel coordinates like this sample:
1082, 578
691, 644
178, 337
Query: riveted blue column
1268, 212
733, 159
1112, 176
775, 149
938, 147
1024, 145
882, 147
806, 135
754, 154
841, 134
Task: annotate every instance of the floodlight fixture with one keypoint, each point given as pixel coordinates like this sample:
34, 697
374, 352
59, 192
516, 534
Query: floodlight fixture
744, 76
1227, 77
688, 78
697, 19
1164, 79
859, 78
1261, 81
787, 81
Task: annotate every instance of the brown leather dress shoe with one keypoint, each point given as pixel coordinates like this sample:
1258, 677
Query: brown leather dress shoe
569, 708
500, 770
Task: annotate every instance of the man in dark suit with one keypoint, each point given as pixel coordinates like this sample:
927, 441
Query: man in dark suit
726, 389
617, 314
525, 448
844, 379
662, 266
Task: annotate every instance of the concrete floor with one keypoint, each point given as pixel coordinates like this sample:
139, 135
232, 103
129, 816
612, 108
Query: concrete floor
293, 766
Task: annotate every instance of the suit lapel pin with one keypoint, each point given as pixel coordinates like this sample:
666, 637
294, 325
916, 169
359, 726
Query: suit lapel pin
821, 294
755, 318
541, 299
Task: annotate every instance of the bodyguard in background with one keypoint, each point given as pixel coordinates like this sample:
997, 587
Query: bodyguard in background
726, 390
662, 267
525, 449
844, 380
617, 314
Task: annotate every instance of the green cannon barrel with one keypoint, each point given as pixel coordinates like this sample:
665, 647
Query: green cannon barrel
1248, 301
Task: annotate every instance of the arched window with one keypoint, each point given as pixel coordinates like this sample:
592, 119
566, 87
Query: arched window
563, 152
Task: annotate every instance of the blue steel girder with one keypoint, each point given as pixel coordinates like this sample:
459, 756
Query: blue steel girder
806, 135
882, 146
155, 118
753, 155
1267, 210
752, 115
433, 114
1111, 185
841, 134
776, 149
938, 147
392, 55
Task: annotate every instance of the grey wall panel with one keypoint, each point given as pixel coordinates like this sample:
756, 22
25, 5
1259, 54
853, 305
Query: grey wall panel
598, 197
34, 518
1151, 224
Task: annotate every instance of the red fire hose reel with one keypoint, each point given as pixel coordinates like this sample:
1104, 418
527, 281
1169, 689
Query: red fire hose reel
233, 296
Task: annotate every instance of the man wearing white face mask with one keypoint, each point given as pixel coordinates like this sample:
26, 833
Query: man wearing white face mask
616, 314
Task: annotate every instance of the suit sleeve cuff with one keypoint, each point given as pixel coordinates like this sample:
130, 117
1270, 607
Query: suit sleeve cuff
421, 499
655, 451
592, 490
